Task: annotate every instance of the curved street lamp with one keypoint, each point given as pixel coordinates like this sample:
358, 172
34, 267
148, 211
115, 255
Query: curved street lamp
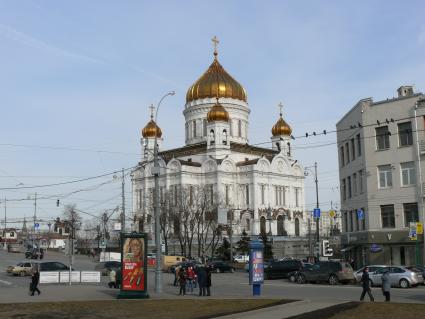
308, 170
155, 171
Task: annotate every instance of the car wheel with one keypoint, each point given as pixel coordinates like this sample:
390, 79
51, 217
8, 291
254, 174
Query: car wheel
292, 278
22, 273
217, 270
301, 279
333, 280
404, 283
232, 270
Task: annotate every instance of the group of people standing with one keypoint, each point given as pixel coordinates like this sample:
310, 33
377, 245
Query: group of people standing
386, 285
189, 278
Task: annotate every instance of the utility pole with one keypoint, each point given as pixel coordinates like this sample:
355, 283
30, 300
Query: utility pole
35, 218
123, 202
317, 206
5, 223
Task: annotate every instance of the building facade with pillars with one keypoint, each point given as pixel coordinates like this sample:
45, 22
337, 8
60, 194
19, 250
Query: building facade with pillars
381, 152
260, 188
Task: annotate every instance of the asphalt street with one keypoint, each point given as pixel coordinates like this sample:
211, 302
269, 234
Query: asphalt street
224, 285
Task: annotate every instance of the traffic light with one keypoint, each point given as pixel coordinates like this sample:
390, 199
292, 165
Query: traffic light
327, 251
74, 246
57, 203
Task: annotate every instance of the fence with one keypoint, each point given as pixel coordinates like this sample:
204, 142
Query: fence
56, 277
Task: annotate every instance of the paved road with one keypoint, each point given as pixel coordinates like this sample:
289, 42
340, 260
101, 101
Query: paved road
224, 285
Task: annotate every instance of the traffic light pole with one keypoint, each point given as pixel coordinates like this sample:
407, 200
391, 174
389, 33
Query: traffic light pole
317, 206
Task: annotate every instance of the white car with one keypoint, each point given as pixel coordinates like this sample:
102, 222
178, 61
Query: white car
242, 258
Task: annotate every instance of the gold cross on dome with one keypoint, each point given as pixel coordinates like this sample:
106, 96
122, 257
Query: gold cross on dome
152, 109
280, 106
215, 43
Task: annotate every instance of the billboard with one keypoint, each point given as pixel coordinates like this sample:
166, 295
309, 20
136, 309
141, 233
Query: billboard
133, 262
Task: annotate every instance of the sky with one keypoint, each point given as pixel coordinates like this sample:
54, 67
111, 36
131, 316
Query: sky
77, 78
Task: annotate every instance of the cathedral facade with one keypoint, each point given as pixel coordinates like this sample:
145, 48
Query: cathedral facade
259, 189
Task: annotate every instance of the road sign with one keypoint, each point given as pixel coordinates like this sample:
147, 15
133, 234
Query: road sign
102, 244
412, 231
419, 228
36, 225
316, 213
360, 214
332, 213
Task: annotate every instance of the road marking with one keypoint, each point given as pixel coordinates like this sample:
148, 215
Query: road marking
5, 282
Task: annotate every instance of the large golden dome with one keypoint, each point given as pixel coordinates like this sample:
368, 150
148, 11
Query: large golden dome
216, 82
151, 129
281, 127
218, 113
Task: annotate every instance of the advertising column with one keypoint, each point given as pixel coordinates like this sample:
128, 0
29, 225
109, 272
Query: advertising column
133, 266
256, 266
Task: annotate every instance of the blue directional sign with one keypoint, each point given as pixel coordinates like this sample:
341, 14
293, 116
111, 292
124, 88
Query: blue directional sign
360, 213
36, 225
316, 213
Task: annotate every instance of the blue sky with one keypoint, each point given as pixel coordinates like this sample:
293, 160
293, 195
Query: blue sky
81, 75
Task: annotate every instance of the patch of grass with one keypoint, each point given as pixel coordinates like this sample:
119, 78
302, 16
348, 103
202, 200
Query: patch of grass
129, 309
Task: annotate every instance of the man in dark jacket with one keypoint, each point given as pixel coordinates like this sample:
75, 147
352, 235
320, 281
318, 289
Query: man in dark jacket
202, 280
208, 270
366, 285
35, 279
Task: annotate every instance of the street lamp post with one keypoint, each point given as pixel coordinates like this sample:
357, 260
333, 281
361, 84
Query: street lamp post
307, 169
155, 171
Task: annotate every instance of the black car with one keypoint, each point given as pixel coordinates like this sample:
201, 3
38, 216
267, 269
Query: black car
293, 275
281, 268
52, 266
220, 266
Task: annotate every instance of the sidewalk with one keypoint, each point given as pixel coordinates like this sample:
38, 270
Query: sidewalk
282, 311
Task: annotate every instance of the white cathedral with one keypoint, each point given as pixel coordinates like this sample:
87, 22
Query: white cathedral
262, 187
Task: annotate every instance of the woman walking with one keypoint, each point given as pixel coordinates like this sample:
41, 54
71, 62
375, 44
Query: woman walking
182, 281
386, 285
366, 285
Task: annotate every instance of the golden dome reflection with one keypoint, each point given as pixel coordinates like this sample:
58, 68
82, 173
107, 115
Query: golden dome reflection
151, 129
281, 128
218, 113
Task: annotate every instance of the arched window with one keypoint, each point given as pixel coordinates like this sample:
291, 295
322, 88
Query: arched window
240, 128
194, 128
204, 127
262, 225
280, 226
224, 137
297, 227
212, 137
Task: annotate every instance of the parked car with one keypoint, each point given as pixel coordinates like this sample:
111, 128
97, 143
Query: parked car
106, 266
241, 258
220, 266
184, 264
332, 272
400, 276
14, 248
51, 266
372, 268
20, 269
418, 269
293, 275
281, 268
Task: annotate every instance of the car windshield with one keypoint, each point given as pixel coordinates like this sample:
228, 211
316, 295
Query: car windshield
20, 264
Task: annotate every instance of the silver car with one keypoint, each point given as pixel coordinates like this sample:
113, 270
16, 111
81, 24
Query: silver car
372, 268
399, 277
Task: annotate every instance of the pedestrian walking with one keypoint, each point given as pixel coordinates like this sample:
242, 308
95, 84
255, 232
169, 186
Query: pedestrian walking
386, 285
112, 278
366, 285
182, 281
176, 275
209, 270
190, 279
35, 279
202, 280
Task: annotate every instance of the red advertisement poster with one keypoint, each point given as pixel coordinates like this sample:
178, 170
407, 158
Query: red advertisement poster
133, 276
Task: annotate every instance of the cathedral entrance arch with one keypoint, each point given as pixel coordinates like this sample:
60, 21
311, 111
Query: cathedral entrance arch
297, 227
281, 226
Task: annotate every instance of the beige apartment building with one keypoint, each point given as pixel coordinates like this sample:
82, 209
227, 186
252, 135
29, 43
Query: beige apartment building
381, 149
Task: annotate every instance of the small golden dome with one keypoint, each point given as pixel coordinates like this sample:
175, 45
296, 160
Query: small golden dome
151, 129
281, 127
218, 113
216, 82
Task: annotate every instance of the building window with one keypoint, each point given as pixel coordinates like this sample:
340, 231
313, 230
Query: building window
297, 227
411, 213
224, 137
280, 226
385, 176
347, 153
204, 125
341, 153
211, 194
227, 195
175, 195
297, 197
194, 128
262, 194
262, 225
353, 150
240, 128
364, 219
356, 224
140, 198
387, 216
187, 131
344, 190
349, 186
350, 213
382, 138
212, 140
408, 174
247, 194
345, 221
355, 184
248, 224
359, 145
361, 181
405, 136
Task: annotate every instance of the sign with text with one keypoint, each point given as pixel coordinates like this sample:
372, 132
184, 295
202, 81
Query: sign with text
419, 228
360, 214
412, 231
316, 213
